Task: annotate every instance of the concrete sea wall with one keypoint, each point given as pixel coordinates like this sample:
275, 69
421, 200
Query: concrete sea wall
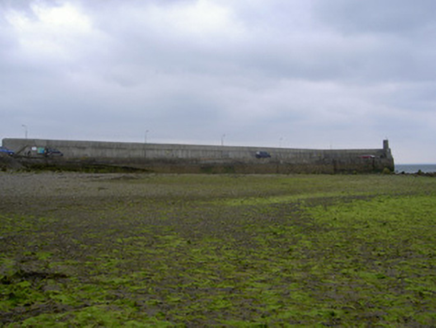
198, 158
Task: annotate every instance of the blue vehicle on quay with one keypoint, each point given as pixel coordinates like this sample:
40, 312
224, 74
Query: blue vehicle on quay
4, 150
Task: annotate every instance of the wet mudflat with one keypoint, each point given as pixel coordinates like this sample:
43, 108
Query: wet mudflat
216, 250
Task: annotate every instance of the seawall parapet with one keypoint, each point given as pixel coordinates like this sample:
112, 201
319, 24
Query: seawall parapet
202, 158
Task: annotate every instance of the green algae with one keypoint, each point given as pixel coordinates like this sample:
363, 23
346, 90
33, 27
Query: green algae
230, 251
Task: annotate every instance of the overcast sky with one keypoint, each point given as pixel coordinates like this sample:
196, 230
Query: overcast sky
276, 73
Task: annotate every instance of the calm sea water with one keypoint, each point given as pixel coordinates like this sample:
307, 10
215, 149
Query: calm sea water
413, 168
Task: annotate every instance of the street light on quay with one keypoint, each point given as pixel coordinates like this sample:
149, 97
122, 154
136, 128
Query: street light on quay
145, 139
222, 139
25, 130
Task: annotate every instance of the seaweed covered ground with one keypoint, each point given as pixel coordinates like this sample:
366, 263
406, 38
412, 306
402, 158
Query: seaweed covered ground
141, 250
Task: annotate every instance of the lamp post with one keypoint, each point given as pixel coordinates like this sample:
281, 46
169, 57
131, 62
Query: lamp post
25, 130
222, 139
145, 139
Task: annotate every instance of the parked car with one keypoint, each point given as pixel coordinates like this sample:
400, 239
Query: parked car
53, 152
262, 154
6, 151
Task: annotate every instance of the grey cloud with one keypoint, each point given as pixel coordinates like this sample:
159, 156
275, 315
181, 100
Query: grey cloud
390, 16
398, 35
21, 5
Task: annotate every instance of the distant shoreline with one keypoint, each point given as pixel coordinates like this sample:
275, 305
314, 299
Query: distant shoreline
414, 168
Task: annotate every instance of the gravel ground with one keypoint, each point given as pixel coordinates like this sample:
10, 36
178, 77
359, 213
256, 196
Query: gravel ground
32, 193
